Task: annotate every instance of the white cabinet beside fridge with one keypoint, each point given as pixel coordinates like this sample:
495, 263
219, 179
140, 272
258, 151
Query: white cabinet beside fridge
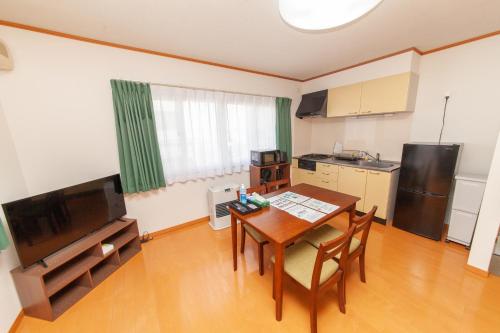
469, 190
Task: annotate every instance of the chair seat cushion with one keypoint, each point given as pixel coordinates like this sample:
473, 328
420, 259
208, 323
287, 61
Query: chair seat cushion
299, 264
254, 233
327, 233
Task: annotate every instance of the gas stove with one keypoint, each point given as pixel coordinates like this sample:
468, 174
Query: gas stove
316, 157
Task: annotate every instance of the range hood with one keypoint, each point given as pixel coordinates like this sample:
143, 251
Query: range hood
313, 105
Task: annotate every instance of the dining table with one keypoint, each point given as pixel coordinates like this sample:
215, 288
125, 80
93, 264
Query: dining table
282, 229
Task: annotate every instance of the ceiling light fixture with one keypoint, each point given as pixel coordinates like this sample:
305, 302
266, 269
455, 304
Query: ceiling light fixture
323, 14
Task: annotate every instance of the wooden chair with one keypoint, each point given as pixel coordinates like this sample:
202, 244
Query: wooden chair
357, 247
315, 270
277, 184
254, 234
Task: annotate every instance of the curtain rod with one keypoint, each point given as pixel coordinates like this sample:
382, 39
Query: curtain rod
206, 89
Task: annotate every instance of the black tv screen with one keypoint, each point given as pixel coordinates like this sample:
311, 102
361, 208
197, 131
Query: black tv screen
45, 223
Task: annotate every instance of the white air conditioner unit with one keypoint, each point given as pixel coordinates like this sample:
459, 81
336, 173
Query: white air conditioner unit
218, 198
6, 62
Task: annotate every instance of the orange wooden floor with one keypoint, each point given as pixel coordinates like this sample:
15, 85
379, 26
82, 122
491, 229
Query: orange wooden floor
184, 282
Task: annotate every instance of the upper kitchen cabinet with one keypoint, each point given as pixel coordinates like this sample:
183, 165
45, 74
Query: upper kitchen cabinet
344, 101
389, 94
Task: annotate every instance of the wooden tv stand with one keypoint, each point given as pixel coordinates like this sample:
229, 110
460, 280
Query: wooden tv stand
72, 272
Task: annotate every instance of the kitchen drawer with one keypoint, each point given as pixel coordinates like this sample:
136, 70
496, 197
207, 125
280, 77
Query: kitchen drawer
328, 184
468, 195
461, 227
325, 167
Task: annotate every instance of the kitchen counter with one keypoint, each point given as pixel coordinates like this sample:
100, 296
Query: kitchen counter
369, 165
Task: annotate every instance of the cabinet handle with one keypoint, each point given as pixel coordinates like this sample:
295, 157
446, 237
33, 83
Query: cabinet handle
369, 111
353, 112
325, 181
374, 173
310, 173
360, 171
326, 173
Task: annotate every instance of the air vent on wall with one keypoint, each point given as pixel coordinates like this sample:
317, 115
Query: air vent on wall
6, 63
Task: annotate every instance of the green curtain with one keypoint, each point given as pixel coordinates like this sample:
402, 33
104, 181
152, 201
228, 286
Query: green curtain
4, 241
140, 160
284, 126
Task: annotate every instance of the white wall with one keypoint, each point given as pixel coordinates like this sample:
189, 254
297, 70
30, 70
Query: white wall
12, 187
58, 105
488, 222
383, 134
471, 73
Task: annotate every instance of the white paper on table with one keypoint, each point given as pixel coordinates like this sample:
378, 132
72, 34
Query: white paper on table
282, 204
305, 213
275, 198
295, 197
322, 206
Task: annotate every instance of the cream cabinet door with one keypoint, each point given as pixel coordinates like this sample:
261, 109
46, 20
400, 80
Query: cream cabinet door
296, 176
378, 185
388, 94
353, 181
344, 101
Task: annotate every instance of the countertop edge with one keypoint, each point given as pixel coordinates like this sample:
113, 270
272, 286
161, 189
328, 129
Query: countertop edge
395, 167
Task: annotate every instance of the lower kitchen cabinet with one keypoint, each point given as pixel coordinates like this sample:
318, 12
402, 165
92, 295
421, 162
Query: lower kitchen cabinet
353, 181
378, 185
373, 187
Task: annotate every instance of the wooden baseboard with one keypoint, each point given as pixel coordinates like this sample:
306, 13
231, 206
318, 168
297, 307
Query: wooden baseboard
162, 232
476, 270
17, 322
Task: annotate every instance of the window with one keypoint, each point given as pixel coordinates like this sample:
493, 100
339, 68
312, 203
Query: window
209, 133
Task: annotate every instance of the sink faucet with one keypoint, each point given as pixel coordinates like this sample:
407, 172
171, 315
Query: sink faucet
376, 159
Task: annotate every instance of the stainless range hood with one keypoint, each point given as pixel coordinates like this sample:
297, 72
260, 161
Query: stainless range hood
313, 105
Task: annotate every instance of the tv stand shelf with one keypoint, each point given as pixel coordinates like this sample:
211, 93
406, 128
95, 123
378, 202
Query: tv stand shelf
72, 272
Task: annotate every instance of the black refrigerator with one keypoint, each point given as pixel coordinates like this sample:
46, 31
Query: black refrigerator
425, 181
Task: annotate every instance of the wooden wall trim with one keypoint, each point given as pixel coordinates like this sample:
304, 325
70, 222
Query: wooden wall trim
476, 270
216, 64
159, 233
414, 49
465, 41
139, 49
17, 322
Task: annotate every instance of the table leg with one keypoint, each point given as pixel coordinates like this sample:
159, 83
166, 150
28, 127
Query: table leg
352, 214
278, 279
234, 238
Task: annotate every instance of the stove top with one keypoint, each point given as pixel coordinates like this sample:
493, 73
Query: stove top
316, 157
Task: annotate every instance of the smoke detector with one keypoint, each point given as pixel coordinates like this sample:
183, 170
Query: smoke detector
6, 62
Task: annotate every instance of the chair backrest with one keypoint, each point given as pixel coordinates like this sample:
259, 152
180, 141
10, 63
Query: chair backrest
277, 184
261, 189
328, 250
363, 224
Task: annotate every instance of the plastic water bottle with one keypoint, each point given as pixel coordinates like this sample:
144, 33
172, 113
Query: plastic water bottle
243, 194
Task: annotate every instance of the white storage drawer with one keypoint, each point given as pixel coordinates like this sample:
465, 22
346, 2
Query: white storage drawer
468, 195
461, 227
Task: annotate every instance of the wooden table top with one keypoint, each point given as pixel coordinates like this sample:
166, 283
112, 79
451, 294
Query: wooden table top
280, 227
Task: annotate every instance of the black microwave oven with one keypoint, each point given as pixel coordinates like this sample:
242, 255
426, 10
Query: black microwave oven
267, 157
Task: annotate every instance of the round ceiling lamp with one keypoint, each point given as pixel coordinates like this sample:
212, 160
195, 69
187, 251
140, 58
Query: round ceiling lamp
323, 14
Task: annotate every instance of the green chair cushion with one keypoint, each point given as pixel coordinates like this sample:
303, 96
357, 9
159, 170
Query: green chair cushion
327, 233
299, 264
254, 233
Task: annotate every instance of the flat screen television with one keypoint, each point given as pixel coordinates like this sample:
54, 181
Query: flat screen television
45, 223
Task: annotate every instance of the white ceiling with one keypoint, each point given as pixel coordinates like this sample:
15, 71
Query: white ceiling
251, 34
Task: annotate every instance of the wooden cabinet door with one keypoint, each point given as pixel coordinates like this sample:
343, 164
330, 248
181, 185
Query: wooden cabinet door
378, 185
344, 101
387, 94
353, 181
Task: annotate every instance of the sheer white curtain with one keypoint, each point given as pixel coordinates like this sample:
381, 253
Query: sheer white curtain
208, 133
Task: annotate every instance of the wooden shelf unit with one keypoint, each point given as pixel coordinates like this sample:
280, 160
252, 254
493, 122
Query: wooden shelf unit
277, 171
75, 270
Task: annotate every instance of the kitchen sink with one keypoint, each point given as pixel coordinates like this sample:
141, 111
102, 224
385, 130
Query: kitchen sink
372, 164
375, 164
